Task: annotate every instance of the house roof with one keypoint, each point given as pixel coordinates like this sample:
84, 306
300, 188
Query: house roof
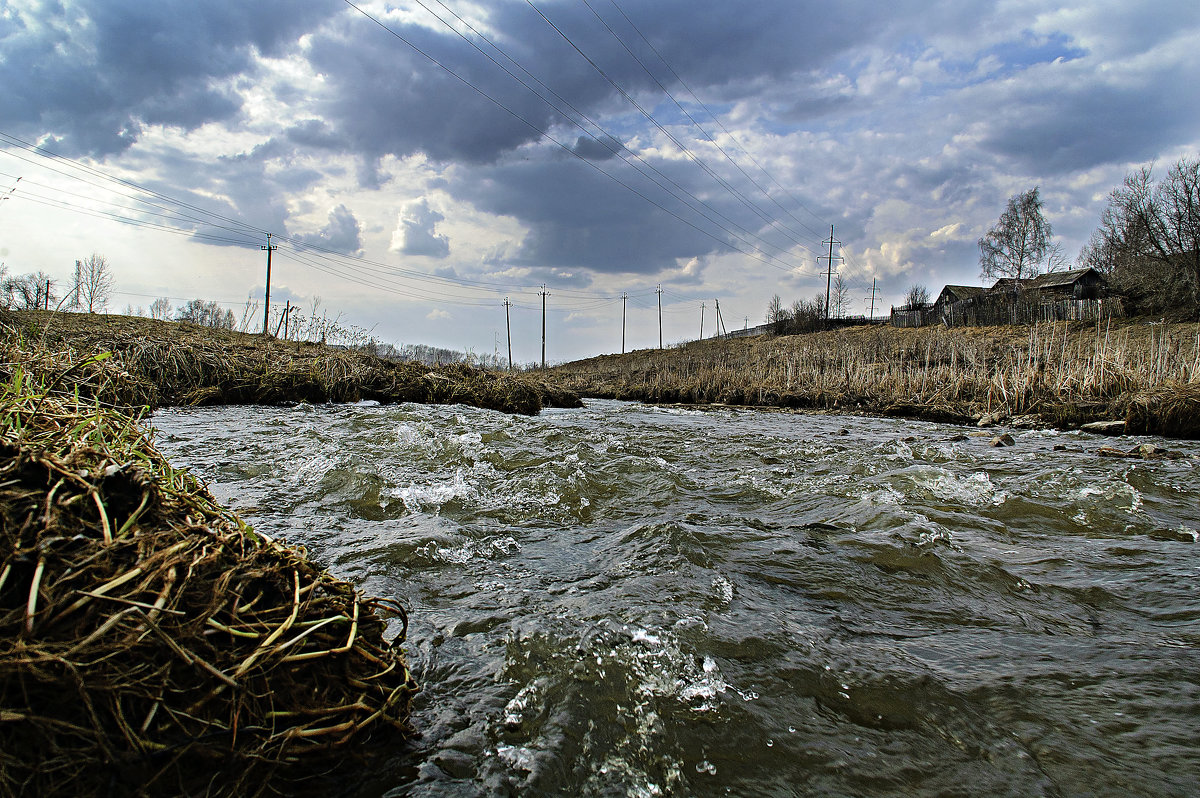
1059, 278
963, 291
1049, 280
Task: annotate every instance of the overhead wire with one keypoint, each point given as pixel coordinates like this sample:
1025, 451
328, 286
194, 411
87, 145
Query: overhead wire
849, 260
763, 257
676, 190
707, 136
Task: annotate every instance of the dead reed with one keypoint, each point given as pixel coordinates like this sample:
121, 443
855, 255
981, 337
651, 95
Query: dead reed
1066, 374
150, 642
171, 363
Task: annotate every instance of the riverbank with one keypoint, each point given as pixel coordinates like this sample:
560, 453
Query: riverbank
1062, 375
151, 643
164, 363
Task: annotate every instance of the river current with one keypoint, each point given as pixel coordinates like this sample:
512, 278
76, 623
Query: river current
631, 600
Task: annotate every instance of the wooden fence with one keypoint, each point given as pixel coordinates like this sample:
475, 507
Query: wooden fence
986, 311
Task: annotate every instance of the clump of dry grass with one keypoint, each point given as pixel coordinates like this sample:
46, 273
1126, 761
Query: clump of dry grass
150, 642
1066, 373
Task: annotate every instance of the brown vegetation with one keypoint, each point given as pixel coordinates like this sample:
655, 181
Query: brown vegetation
150, 642
171, 363
1062, 374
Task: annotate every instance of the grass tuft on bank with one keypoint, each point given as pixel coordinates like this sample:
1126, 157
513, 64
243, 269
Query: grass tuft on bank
151, 643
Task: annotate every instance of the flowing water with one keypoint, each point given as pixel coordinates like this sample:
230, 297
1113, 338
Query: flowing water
629, 600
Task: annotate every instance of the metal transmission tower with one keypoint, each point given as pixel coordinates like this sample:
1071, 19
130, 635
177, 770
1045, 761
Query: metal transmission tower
267, 300
829, 272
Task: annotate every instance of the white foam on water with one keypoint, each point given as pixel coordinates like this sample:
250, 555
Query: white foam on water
487, 549
528, 697
418, 498
409, 435
976, 489
312, 469
516, 757
1122, 493
722, 589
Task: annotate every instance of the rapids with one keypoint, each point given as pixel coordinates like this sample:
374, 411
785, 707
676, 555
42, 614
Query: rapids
631, 600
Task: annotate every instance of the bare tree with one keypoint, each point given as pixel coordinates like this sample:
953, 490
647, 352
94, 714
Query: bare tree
839, 295
28, 291
807, 316
92, 284
775, 312
917, 296
1148, 242
160, 309
206, 314
1018, 244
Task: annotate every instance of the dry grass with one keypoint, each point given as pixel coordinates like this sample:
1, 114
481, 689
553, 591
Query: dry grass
150, 642
1065, 373
169, 363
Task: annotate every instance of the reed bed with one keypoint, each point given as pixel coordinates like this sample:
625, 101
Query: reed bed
172, 363
1064, 374
151, 643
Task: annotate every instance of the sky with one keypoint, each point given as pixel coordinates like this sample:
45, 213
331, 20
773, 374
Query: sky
418, 163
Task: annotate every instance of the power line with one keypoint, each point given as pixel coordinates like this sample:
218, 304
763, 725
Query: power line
697, 125
649, 117
676, 191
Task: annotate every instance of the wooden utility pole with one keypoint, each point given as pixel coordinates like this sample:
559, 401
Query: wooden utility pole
720, 321
545, 294
703, 307
508, 329
267, 301
624, 296
659, 292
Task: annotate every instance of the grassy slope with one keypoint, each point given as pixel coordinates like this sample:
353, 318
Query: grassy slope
168, 363
1062, 374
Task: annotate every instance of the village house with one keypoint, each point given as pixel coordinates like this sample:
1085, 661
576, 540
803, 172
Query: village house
1078, 294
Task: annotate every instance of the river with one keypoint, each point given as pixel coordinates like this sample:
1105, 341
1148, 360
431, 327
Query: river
631, 600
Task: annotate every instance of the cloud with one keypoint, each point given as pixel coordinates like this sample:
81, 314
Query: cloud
342, 234
416, 233
89, 75
438, 314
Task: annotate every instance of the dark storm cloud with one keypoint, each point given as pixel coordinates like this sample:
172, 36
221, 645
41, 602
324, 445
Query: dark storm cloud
1065, 128
600, 148
579, 219
384, 97
91, 73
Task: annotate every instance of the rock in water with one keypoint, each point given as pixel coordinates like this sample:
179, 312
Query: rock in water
1105, 427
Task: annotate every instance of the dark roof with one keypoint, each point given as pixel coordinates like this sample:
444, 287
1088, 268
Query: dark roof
963, 291
1059, 278
1049, 280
